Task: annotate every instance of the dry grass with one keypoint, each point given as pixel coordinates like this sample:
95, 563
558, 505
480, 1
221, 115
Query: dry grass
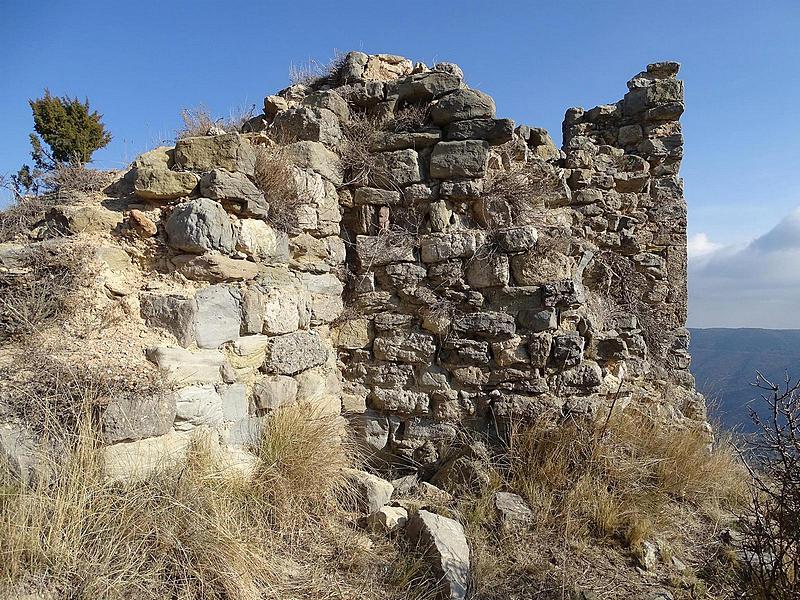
197, 530
276, 178
597, 492
42, 292
618, 480
197, 121
360, 163
67, 180
314, 73
525, 187
411, 117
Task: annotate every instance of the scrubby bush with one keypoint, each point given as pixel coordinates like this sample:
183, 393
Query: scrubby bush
771, 529
71, 130
198, 121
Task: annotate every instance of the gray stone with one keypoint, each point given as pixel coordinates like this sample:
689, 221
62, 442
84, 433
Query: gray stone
518, 239
439, 247
444, 542
491, 271
568, 348
461, 105
183, 367
539, 349
400, 401
160, 184
439, 214
222, 185
463, 159
232, 152
197, 406
410, 348
398, 168
469, 189
200, 225
512, 509
367, 195
294, 352
485, 324
214, 268
330, 100
494, 131
386, 141
218, 318
22, 454
381, 250
274, 391
173, 312
387, 519
371, 492
426, 86
235, 405
538, 320
315, 157
133, 416
306, 124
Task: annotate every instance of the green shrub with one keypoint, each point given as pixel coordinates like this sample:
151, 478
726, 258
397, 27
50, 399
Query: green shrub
68, 126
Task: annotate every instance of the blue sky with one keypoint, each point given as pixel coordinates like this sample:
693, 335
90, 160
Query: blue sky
140, 63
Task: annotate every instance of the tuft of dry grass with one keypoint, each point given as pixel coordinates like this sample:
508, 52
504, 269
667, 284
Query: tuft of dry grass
618, 480
277, 180
67, 180
198, 121
197, 529
360, 163
315, 73
42, 292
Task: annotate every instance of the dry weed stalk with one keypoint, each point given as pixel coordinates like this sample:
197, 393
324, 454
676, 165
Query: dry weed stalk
197, 121
276, 178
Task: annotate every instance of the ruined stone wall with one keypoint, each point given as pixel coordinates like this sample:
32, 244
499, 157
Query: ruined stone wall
379, 244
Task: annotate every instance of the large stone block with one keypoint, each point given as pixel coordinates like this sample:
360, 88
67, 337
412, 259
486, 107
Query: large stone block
217, 319
275, 311
274, 391
215, 268
461, 105
422, 87
183, 367
487, 325
381, 250
315, 157
197, 406
200, 225
494, 131
491, 271
371, 491
463, 159
224, 186
258, 240
294, 352
398, 168
306, 124
131, 416
445, 544
173, 312
401, 401
161, 184
410, 348
439, 247
232, 152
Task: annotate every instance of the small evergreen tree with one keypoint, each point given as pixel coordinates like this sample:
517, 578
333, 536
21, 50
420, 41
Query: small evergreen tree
68, 127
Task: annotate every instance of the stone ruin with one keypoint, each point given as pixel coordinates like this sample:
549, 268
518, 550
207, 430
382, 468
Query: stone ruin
435, 269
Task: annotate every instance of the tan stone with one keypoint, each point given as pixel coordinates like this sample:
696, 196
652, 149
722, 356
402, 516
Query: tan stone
161, 184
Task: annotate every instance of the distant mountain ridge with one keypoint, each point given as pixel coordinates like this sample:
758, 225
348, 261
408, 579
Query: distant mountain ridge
725, 361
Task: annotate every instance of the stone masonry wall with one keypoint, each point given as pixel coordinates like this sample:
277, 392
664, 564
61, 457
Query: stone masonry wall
440, 269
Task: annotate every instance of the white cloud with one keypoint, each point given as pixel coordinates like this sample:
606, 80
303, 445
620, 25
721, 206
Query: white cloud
757, 285
699, 245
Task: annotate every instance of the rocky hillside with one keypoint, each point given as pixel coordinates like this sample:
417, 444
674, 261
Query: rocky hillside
382, 251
